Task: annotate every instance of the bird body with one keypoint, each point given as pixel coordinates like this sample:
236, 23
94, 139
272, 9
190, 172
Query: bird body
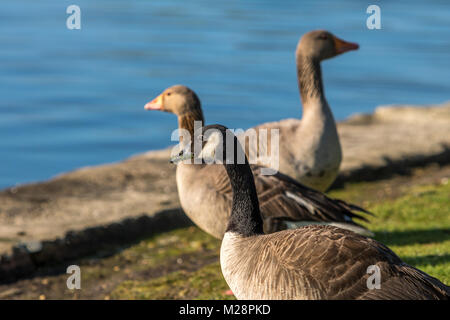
204, 189
309, 149
311, 262
319, 262
284, 202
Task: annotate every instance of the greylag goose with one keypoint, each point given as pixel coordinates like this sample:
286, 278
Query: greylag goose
309, 149
203, 189
312, 262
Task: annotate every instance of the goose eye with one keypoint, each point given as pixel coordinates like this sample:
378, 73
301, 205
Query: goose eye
323, 37
168, 93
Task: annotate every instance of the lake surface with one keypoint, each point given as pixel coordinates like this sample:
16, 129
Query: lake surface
71, 98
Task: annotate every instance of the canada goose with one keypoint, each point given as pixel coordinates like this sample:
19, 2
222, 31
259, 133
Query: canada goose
309, 149
205, 191
312, 262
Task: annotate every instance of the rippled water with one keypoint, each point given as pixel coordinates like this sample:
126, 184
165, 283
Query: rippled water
71, 98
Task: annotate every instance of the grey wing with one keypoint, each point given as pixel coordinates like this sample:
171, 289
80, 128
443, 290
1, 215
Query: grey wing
220, 181
283, 199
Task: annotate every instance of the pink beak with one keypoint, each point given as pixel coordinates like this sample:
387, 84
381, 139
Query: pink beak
155, 104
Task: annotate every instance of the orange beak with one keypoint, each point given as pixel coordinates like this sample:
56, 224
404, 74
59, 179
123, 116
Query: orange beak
155, 104
344, 46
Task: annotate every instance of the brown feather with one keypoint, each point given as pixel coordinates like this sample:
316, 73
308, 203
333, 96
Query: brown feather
320, 262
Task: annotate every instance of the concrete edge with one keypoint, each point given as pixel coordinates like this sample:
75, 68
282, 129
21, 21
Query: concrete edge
27, 258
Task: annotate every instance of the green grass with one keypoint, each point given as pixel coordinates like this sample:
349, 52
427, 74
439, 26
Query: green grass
156, 250
205, 283
416, 226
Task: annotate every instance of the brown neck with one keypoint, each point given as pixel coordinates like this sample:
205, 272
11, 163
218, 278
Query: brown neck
309, 80
186, 121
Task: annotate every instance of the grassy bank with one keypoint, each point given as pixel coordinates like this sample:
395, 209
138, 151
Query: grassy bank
415, 226
412, 218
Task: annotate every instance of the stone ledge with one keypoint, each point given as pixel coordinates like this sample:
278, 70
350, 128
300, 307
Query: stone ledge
27, 257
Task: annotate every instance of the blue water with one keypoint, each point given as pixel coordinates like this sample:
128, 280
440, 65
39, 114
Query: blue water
70, 98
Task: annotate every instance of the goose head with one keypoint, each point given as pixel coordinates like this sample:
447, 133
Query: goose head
321, 44
219, 145
210, 142
178, 99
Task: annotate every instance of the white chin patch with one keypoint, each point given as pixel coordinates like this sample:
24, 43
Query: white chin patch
213, 144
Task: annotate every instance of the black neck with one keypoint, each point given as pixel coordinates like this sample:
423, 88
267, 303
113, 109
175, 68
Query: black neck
309, 79
245, 216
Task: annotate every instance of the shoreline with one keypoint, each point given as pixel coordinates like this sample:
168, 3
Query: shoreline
83, 211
